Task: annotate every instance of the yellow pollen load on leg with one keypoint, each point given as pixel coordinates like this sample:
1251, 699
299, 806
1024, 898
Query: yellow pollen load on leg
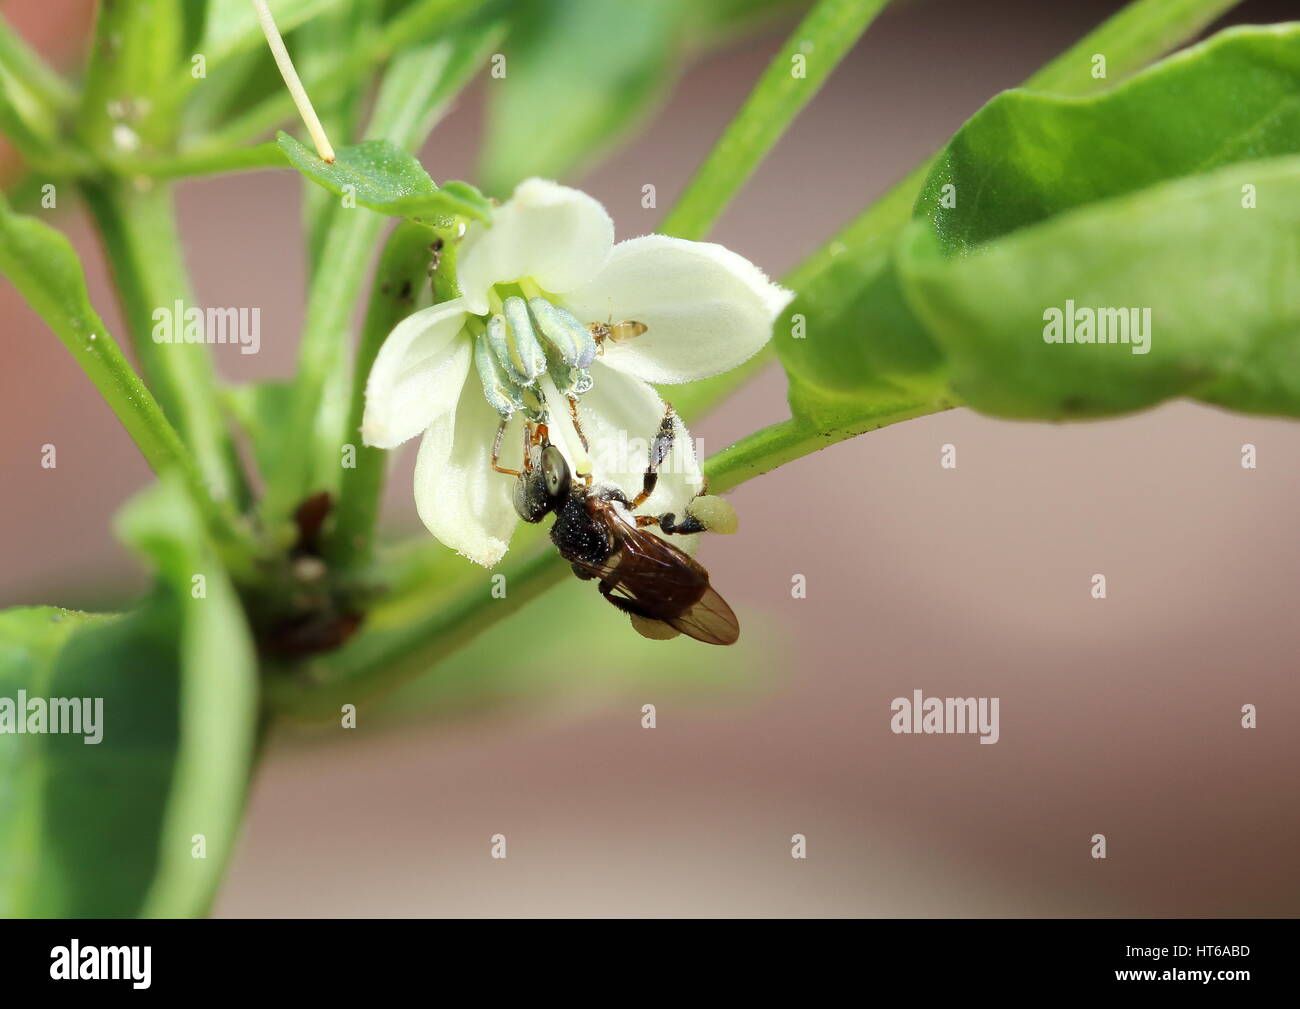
714, 513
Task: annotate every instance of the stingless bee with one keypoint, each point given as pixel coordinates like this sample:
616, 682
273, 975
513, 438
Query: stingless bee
615, 332
663, 589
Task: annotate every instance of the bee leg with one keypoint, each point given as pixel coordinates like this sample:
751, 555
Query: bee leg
669, 524
659, 449
496, 450
577, 424
582, 572
690, 524
704, 514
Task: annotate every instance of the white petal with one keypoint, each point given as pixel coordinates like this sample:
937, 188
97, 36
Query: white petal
463, 501
620, 416
417, 375
707, 308
558, 236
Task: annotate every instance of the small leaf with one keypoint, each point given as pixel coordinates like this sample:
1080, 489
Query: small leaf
382, 176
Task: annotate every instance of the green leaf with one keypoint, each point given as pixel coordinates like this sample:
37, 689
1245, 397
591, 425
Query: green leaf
107, 829
89, 816
578, 75
382, 176
217, 703
30, 641
1221, 282
1026, 157
865, 359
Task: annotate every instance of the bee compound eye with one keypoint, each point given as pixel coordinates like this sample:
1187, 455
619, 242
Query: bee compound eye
556, 471
530, 498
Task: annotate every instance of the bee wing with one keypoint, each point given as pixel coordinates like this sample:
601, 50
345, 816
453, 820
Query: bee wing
710, 620
663, 583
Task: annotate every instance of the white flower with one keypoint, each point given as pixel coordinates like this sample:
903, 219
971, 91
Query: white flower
455, 370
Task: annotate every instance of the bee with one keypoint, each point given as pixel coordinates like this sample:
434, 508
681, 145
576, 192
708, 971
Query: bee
663, 589
615, 332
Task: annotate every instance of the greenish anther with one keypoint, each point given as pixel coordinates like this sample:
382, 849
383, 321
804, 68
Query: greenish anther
564, 333
502, 393
527, 359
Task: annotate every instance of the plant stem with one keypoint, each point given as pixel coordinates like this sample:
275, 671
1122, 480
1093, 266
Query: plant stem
1143, 31
403, 269
177, 166
138, 228
404, 652
21, 62
42, 265
821, 40
778, 444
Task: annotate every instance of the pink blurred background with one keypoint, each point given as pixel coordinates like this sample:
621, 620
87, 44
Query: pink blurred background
1118, 716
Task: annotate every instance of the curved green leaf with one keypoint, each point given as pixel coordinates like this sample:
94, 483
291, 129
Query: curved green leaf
108, 829
31, 638
1026, 157
1219, 279
853, 349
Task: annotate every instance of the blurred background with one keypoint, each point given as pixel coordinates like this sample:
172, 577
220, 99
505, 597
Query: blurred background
1118, 716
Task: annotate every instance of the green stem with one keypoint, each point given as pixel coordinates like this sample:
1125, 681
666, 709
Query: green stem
35, 259
322, 354
821, 40
1143, 31
138, 228
176, 166
406, 652
20, 61
403, 269
778, 444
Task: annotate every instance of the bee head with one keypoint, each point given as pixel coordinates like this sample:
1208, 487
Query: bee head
544, 485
